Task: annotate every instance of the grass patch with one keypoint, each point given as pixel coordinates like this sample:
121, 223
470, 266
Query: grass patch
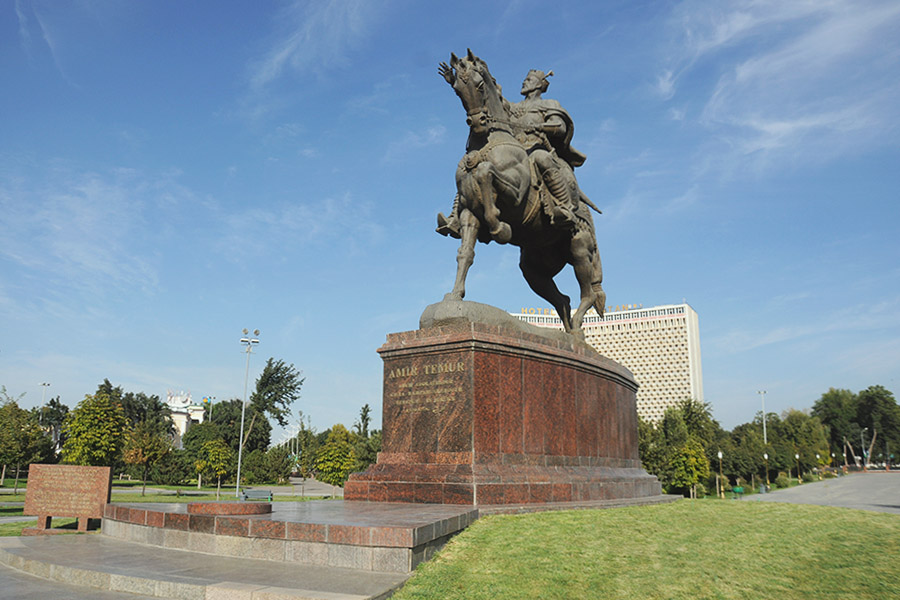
685, 550
15, 529
10, 511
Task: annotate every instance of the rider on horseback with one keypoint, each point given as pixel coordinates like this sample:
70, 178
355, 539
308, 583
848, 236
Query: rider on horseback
545, 130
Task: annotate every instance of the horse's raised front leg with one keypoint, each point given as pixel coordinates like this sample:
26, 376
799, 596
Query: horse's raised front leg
484, 177
468, 229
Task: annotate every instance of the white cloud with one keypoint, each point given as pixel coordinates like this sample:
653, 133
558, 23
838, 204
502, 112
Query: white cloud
313, 36
794, 81
413, 141
87, 233
282, 229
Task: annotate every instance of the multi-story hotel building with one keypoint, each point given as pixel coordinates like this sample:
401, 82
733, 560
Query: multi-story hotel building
659, 345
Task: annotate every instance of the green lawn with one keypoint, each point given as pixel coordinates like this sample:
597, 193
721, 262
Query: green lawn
15, 529
689, 550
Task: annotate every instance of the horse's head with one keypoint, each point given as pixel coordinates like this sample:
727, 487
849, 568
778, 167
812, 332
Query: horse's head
476, 88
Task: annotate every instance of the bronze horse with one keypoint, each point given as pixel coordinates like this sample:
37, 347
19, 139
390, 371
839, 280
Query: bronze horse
499, 200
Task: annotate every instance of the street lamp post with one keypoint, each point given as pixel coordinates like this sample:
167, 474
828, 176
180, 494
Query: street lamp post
44, 387
797, 456
248, 343
762, 395
210, 400
721, 479
766, 457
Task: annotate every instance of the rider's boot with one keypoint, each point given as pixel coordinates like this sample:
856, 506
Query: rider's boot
450, 225
561, 215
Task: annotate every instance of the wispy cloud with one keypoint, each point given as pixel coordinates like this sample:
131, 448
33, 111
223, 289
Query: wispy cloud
795, 80
287, 228
312, 36
867, 317
414, 141
86, 232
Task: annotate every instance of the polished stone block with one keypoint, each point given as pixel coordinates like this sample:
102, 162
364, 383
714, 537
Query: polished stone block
490, 414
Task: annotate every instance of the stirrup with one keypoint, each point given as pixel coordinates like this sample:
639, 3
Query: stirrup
448, 226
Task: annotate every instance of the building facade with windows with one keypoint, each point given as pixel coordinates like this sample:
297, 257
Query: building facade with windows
659, 345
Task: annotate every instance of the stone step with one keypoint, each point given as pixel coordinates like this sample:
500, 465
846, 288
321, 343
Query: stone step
100, 562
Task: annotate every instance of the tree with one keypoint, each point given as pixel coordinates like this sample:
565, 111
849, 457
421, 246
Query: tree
362, 426
51, 417
174, 468
806, 435
94, 431
651, 446
277, 387
227, 417
140, 408
308, 444
336, 459
366, 450
21, 439
877, 410
145, 445
215, 459
836, 409
199, 434
689, 466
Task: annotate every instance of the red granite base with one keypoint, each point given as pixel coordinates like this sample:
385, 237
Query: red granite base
229, 508
488, 414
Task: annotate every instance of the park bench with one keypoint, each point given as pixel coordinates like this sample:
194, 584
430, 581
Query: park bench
256, 495
738, 491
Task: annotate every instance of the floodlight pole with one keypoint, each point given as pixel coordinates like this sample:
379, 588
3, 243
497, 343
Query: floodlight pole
762, 394
44, 387
248, 343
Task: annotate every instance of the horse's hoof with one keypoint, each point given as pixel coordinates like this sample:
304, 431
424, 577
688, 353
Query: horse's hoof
503, 234
452, 297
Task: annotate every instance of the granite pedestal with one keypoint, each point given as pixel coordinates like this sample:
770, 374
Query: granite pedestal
480, 410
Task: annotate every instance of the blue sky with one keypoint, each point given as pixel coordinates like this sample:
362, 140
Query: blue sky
173, 172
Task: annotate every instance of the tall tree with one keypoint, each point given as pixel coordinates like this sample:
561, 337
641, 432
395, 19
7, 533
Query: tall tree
140, 408
277, 387
336, 459
94, 431
51, 416
215, 459
365, 417
21, 438
877, 409
227, 417
145, 445
837, 409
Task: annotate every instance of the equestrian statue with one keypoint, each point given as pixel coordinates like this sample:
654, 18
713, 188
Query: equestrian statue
516, 185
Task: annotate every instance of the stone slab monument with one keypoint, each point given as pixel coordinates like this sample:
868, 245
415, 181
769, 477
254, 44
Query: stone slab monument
66, 491
480, 408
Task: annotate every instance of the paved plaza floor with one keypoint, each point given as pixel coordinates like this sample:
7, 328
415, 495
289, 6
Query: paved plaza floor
875, 491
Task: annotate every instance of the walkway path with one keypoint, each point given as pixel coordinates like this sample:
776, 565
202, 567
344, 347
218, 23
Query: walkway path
879, 492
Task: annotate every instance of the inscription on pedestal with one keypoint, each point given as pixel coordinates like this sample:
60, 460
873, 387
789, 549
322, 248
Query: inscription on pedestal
425, 398
430, 387
67, 491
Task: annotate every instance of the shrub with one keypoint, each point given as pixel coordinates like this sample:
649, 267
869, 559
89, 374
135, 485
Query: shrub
829, 474
782, 481
809, 477
701, 490
172, 469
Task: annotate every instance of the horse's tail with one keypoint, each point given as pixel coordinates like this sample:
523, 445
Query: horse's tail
596, 281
